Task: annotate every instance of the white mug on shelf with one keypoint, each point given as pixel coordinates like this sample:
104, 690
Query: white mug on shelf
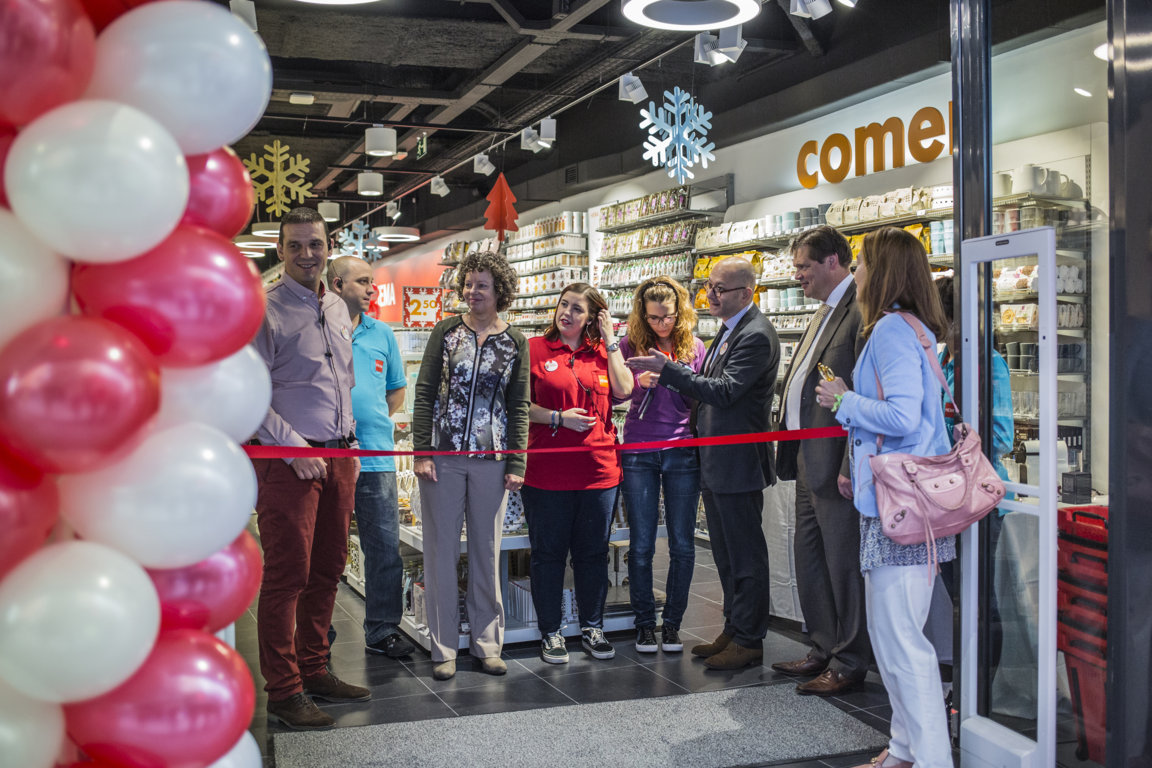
1029, 178
1001, 184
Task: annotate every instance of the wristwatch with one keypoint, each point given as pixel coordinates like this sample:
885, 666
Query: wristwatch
613, 346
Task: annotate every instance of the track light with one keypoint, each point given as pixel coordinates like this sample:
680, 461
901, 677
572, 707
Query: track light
380, 141
482, 165
392, 210
730, 44
439, 187
631, 89
529, 139
370, 184
810, 9
547, 132
329, 211
704, 50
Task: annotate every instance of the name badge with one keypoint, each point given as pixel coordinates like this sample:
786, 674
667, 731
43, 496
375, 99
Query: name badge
604, 380
722, 350
550, 365
346, 333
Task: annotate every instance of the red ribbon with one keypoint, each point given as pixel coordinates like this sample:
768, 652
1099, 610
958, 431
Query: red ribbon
290, 452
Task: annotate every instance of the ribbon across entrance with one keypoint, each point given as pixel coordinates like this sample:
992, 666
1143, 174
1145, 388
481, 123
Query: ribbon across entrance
291, 452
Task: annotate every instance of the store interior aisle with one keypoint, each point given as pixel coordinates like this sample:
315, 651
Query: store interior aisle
403, 690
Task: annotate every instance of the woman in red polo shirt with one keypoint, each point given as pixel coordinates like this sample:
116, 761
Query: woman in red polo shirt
576, 372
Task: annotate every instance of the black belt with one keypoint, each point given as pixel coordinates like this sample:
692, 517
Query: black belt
340, 442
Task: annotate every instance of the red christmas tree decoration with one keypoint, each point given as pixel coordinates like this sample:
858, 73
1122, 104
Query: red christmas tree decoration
500, 214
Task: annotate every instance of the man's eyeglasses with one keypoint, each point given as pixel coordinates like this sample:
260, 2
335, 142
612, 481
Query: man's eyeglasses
661, 320
719, 290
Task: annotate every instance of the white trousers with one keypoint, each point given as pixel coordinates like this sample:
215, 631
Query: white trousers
898, 599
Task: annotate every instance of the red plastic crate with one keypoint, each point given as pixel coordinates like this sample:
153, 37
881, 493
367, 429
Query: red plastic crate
1083, 565
1082, 606
1090, 523
1082, 642
1087, 683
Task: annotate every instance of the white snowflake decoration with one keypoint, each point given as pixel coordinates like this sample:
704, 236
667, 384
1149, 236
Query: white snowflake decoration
278, 185
359, 240
684, 127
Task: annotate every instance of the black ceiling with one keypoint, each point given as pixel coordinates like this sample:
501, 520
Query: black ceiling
468, 73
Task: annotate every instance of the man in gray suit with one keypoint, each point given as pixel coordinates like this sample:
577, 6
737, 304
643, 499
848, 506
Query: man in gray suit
733, 395
827, 542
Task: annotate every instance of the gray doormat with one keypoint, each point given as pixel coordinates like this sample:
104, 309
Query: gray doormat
738, 727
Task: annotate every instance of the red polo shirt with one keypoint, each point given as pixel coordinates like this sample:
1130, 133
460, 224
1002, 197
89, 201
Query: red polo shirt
563, 379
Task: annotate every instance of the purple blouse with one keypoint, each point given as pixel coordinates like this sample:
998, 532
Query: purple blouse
668, 412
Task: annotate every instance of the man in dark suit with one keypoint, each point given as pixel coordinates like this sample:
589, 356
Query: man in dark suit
827, 542
733, 394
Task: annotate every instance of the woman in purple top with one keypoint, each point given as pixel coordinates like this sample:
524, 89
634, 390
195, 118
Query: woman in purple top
662, 317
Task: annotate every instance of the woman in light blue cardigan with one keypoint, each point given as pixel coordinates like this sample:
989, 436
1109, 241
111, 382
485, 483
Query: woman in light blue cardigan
893, 274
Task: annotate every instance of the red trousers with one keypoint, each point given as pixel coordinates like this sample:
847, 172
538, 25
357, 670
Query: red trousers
304, 533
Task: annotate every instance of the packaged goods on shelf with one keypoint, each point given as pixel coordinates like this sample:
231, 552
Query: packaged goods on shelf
776, 266
642, 207
635, 271
554, 280
457, 250
567, 222
554, 261
707, 326
679, 233
732, 233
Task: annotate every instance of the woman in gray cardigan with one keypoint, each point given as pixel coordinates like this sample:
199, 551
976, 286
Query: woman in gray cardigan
471, 395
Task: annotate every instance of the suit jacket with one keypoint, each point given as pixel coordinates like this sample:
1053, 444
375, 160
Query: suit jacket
736, 398
818, 462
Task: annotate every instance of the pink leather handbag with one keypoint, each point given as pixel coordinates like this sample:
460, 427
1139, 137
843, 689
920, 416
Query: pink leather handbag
923, 498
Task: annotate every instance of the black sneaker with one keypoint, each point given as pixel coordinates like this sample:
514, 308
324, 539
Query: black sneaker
670, 641
646, 640
593, 640
393, 646
552, 649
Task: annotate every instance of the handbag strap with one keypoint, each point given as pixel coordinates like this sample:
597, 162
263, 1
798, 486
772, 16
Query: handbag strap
928, 347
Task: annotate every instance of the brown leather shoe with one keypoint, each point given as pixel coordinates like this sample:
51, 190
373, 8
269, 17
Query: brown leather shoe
328, 687
885, 760
711, 649
300, 713
801, 667
735, 656
829, 683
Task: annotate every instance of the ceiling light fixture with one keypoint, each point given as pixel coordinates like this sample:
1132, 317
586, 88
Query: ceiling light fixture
482, 165
848, 3
730, 44
1086, 94
370, 184
397, 234
631, 89
337, 2
329, 211
380, 141
811, 9
1101, 51
704, 50
245, 10
439, 187
305, 99
547, 132
392, 210
266, 229
253, 254
529, 139
690, 15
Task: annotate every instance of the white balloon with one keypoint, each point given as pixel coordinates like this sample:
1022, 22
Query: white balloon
182, 494
246, 754
232, 394
76, 620
33, 279
31, 731
192, 65
97, 181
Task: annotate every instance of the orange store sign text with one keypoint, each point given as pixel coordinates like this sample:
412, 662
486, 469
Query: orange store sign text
929, 134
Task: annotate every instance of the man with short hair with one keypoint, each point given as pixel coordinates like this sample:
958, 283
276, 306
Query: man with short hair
304, 505
733, 395
827, 540
379, 393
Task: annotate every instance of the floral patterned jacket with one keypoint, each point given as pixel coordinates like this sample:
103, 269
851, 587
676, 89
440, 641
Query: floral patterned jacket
473, 399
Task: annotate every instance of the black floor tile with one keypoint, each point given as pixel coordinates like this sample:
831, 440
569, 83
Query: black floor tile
513, 695
871, 694
850, 760
635, 682
424, 706
468, 675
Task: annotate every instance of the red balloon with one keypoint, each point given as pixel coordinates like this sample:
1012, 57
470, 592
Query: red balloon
212, 593
77, 390
104, 12
29, 505
192, 300
186, 707
222, 196
46, 52
7, 136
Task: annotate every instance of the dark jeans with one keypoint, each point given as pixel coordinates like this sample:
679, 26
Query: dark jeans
678, 470
560, 522
377, 519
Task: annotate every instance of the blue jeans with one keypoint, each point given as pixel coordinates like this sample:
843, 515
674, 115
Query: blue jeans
377, 519
679, 471
560, 522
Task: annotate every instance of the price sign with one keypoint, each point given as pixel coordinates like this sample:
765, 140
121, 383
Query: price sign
423, 307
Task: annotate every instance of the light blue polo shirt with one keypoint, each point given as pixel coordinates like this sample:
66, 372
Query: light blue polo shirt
379, 368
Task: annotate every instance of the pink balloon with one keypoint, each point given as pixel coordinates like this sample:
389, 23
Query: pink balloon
192, 300
77, 390
212, 593
7, 136
222, 195
47, 48
104, 12
186, 707
29, 505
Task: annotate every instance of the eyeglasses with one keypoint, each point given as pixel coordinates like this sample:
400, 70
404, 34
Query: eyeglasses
719, 290
661, 320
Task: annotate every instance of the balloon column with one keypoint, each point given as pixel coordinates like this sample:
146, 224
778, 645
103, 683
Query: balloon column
126, 382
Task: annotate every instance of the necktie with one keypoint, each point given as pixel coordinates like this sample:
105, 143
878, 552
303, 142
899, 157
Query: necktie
714, 351
799, 365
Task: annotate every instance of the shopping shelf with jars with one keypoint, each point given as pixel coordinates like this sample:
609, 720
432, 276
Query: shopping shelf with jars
563, 223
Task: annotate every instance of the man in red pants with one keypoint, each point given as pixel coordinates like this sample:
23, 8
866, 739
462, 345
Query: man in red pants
304, 504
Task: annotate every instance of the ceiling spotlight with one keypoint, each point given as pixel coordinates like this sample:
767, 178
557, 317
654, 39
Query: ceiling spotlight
1085, 93
529, 139
848, 3
704, 50
397, 234
631, 89
439, 187
329, 211
380, 141
547, 132
482, 165
266, 229
370, 183
392, 210
1101, 51
690, 15
811, 9
302, 98
245, 10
